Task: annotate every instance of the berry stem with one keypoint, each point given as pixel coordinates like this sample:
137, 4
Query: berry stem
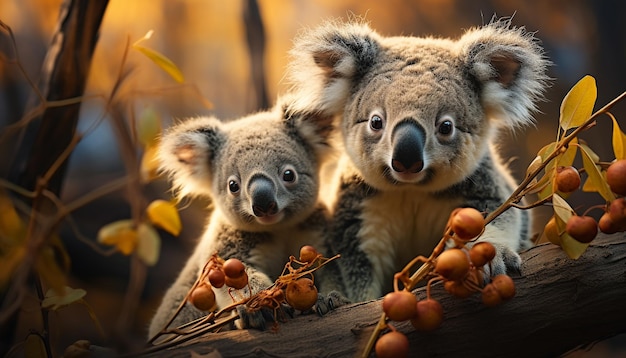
563, 143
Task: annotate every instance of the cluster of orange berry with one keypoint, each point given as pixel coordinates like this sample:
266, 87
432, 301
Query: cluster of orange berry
461, 269
291, 287
231, 273
584, 228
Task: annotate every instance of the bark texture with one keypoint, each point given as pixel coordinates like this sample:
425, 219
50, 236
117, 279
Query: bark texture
560, 304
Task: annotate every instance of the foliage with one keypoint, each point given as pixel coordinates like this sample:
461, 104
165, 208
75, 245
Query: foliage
29, 242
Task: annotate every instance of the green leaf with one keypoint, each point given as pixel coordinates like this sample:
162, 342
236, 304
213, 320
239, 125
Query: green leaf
619, 140
159, 59
577, 105
594, 175
55, 300
149, 244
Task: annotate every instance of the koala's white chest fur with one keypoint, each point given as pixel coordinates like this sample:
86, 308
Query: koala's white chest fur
399, 225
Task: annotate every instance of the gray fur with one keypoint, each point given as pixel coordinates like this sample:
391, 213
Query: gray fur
202, 155
398, 184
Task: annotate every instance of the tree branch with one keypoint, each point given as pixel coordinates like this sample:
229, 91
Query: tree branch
560, 304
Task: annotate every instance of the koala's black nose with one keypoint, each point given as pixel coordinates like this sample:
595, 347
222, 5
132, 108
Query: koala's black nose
262, 195
407, 140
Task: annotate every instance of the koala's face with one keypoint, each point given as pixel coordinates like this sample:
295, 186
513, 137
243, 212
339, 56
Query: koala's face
419, 112
415, 120
265, 175
260, 171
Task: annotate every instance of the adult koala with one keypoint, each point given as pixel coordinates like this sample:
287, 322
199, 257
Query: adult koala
419, 117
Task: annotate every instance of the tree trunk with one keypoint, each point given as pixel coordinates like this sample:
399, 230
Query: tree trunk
560, 304
64, 75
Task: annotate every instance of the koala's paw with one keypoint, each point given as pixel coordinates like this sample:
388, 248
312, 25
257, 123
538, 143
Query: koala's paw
507, 261
327, 303
260, 319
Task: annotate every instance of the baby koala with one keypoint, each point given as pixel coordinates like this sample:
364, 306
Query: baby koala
262, 175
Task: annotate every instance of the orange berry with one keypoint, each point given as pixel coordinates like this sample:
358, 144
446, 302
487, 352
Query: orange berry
616, 177
429, 315
391, 345
504, 285
582, 228
452, 264
467, 223
233, 268
308, 253
202, 297
216, 277
490, 296
399, 305
457, 289
238, 282
567, 179
482, 253
301, 294
607, 225
551, 231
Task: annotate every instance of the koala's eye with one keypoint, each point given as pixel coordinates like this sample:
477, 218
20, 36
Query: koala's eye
289, 175
376, 122
446, 127
233, 186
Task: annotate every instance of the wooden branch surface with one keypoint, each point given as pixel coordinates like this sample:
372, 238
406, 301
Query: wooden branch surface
560, 304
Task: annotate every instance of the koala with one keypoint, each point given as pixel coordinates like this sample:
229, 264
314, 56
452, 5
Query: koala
262, 174
419, 118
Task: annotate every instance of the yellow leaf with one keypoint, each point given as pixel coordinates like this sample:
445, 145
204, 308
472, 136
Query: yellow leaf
11, 225
545, 152
121, 234
149, 164
149, 245
573, 248
594, 175
34, 347
534, 165
619, 140
148, 127
55, 300
547, 181
159, 59
562, 212
566, 158
578, 104
164, 215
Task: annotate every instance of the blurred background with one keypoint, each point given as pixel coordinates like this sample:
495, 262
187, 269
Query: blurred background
217, 45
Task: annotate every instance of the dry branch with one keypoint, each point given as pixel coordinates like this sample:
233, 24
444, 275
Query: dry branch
560, 304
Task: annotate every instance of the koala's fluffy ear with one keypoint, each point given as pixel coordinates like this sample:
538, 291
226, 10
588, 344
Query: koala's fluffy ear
327, 60
510, 67
186, 152
312, 125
